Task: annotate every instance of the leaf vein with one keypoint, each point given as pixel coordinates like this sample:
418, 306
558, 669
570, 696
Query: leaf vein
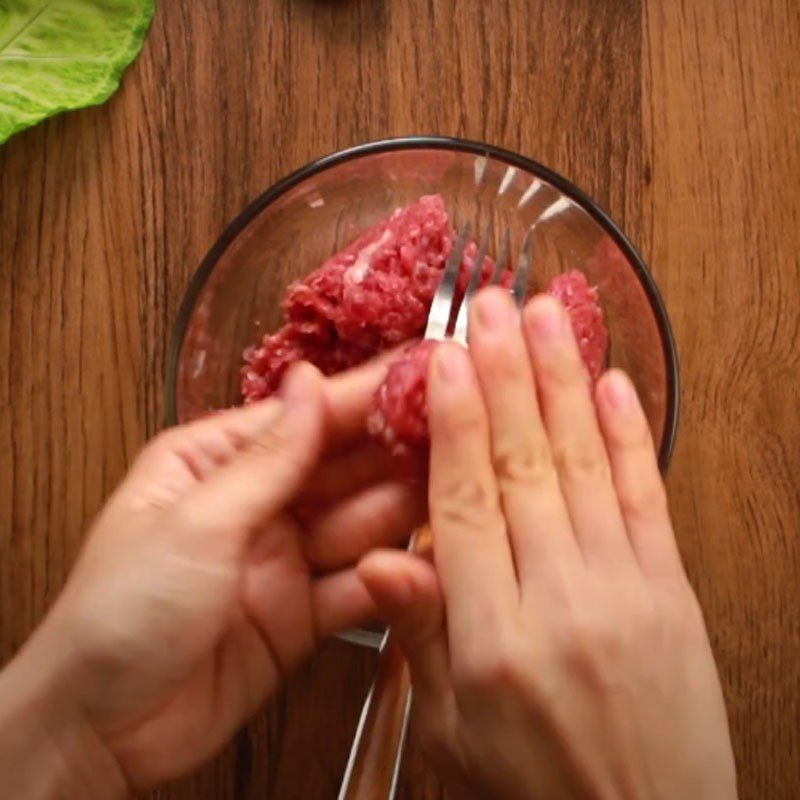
27, 24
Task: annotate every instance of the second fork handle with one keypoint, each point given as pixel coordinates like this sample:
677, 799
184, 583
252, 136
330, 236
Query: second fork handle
378, 747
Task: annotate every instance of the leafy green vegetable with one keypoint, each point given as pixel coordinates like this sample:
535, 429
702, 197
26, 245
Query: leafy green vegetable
57, 55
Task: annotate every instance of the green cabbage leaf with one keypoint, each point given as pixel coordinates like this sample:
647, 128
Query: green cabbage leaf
57, 55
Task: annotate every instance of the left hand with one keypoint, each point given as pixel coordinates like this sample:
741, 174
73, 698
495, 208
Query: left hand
216, 567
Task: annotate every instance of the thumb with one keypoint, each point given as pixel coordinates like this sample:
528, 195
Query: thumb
270, 467
405, 589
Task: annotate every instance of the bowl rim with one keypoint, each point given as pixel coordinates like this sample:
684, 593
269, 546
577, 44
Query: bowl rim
435, 142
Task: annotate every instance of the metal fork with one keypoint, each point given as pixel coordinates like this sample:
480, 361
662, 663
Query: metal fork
445, 298
373, 766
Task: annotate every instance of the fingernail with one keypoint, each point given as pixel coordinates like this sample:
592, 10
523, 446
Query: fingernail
494, 310
620, 391
452, 365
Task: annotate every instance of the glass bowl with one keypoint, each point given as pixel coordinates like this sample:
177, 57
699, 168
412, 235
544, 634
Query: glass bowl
235, 296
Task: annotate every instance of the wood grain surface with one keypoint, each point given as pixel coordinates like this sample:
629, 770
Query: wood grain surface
679, 116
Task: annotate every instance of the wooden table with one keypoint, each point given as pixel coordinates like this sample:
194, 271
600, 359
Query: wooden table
681, 118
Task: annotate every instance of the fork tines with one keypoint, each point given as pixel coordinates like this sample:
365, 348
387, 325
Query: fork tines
520, 288
441, 311
460, 330
439, 315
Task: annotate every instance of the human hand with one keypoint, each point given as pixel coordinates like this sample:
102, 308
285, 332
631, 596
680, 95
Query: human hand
557, 649
217, 565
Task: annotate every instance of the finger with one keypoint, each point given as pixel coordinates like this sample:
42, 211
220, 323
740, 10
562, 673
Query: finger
267, 471
289, 629
211, 442
575, 441
471, 547
382, 515
637, 479
406, 592
338, 476
340, 602
539, 526
178, 458
348, 397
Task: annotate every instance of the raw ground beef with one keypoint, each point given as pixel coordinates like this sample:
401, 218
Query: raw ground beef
372, 295
375, 294
583, 306
399, 416
265, 364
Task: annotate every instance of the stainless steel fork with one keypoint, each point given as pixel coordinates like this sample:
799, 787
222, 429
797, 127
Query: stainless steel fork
373, 766
443, 303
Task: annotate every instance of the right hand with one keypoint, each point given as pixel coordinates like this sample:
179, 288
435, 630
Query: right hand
557, 649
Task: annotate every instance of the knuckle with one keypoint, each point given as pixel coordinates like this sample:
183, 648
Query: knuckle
643, 499
579, 464
463, 424
587, 648
275, 445
527, 463
490, 673
464, 500
269, 441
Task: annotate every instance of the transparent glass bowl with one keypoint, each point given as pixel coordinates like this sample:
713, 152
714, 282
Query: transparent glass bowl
235, 296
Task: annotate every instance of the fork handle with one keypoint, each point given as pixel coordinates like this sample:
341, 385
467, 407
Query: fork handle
377, 750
